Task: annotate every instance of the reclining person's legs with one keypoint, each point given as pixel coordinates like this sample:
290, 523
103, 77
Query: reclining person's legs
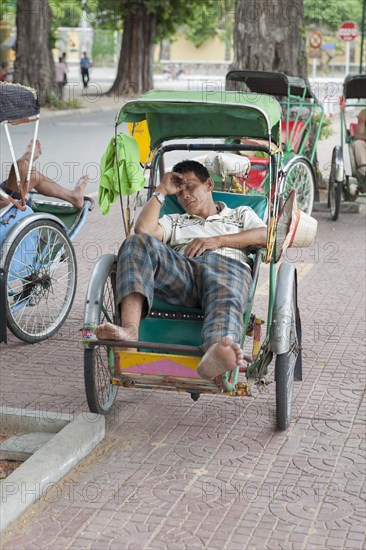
225, 286
43, 184
147, 268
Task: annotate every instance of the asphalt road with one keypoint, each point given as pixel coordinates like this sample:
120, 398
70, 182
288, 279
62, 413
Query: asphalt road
72, 145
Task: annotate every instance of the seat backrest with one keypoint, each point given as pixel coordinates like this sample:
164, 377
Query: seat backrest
257, 202
297, 132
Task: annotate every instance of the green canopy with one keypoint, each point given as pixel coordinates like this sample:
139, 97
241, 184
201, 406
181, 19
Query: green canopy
205, 114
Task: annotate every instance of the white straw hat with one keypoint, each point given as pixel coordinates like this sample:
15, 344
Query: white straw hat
295, 229
227, 164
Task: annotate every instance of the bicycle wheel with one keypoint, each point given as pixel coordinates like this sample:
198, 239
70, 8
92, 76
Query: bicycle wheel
100, 393
335, 186
335, 193
299, 176
285, 369
40, 280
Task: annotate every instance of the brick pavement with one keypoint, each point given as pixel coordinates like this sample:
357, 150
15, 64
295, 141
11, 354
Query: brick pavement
214, 474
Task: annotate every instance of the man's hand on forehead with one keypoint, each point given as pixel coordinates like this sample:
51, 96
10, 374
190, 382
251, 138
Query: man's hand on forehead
171, 183
177, 179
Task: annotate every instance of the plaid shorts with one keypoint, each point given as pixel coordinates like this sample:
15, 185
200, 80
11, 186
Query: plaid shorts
216, 284
13, 194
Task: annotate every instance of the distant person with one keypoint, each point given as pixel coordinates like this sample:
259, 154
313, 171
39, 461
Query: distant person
60, 71
40, 182
84, 67
359, 144
66, 67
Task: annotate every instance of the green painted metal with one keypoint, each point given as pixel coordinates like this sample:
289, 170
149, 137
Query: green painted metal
301, 103
363, 21
67, 214
272, 287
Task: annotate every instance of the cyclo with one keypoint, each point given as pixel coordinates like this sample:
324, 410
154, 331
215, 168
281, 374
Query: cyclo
353, 184
300, 130
38, 269
169, 338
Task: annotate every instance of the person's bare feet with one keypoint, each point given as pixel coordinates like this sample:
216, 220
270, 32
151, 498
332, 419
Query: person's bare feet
77, 198
37, 150
221, 357
108, 331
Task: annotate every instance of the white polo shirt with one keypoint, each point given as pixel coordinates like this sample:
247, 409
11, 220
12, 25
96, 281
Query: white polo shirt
180, 229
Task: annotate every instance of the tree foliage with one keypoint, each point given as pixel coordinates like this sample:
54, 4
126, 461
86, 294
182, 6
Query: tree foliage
208, 19
169, 14
331, 13
144, 22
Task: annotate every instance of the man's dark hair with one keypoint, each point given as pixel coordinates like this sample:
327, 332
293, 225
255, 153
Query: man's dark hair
197, 168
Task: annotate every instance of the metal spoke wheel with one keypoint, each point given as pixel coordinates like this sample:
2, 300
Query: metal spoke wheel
40, 280
299, 176
100, 393
335, 183
334, 189
285, 368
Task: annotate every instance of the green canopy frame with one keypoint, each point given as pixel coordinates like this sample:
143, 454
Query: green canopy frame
183, 115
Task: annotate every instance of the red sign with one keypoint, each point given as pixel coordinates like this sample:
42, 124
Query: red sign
348, 31
316, 40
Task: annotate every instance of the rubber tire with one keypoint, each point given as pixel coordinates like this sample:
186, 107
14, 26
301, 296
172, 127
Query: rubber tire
100, 393
284, 375
335, 194
298, 164
12, 258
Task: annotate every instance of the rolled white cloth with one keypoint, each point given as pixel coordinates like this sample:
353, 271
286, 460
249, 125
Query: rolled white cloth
227, 164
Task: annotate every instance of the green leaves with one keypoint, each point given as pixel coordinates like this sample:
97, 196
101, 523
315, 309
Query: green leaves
330, 13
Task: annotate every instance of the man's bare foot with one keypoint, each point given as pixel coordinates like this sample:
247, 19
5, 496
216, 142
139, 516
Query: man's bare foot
77, 198
220, 357
37, 150
108, 331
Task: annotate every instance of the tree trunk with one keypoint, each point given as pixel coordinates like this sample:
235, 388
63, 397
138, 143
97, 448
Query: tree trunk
135, 66
270, 36
34, 65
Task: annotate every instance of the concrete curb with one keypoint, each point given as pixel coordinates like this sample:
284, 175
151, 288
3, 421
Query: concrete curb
50, 463
49, 113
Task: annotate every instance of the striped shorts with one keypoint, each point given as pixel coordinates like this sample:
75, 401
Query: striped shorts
212, 282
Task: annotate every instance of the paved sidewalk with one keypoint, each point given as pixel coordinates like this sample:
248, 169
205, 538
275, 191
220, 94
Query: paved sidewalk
214, 474
91, 99
174, 474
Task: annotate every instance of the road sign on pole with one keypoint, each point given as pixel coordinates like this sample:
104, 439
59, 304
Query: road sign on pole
348, 31
316, 40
